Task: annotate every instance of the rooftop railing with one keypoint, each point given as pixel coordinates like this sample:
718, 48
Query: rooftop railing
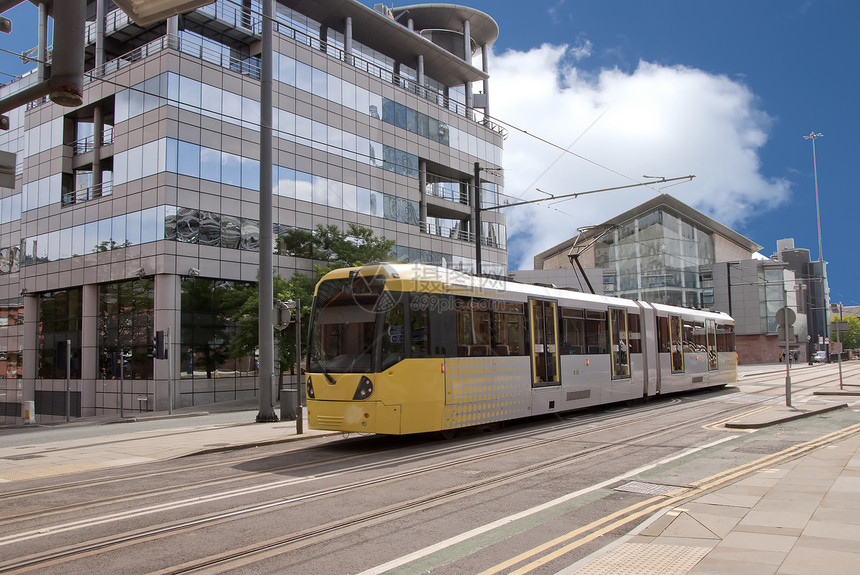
117, 20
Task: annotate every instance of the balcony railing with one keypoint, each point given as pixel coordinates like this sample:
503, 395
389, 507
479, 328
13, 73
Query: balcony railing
81, 195
447, 232
86, 144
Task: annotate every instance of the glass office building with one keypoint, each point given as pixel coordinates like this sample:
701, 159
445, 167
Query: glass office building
138, 211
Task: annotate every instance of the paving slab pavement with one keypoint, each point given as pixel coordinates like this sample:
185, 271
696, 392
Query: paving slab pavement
800, 517
797, 518
28, 452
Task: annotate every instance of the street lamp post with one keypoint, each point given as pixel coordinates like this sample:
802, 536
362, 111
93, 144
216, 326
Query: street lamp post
814, 136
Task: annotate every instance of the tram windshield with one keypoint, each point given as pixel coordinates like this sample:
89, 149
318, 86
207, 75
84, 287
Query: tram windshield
344, 326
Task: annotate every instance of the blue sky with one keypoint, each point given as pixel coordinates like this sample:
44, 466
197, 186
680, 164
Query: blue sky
747, 79
723, 90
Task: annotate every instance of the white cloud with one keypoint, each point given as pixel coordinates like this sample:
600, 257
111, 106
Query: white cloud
656, 121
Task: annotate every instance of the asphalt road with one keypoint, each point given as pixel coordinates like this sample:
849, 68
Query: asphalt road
535, 497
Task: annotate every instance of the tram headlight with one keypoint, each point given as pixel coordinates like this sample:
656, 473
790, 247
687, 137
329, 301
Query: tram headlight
364, 389
310, 388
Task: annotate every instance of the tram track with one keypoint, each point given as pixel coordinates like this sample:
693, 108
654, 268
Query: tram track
566, 420
71, 552
606, 422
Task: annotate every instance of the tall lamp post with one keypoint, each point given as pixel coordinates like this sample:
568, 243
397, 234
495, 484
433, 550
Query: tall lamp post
814, 136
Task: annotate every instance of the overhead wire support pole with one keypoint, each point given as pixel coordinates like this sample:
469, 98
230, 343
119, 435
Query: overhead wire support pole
266, 285
477, 199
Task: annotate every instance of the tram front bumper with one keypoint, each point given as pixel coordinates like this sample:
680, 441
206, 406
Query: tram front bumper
354, 416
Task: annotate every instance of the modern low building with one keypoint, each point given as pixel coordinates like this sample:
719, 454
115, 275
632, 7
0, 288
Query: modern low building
653, 252
138, 211
664, 251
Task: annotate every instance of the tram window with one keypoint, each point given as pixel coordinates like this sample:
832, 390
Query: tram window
481, 329
509, 329
572, 331
634, 333
443, 324
725, 337
664, 341
596, 332
700, 340
419, 323
393, 336
464, 327
343, 336
689, 344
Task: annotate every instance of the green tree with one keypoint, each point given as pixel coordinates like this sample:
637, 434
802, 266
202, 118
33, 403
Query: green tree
330, 248
851, 338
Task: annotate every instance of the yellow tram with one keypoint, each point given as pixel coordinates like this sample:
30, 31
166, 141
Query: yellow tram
409, 348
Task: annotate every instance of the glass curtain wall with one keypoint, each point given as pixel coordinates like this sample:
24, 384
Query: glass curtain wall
656, 258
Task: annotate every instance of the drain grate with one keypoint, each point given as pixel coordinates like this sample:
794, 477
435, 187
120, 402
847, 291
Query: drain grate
22, 457
647, 488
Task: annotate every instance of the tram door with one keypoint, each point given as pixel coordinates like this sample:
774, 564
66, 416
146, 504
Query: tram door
711, 335
619, 343
544, 342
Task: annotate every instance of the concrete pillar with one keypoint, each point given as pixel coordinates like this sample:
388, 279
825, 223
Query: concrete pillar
98, 142
89, 347
485, 67
467, 56
422, 184
347, 40
420, 69
43, 41
173, 28
167, 319
100, 37
66, 84
29, 352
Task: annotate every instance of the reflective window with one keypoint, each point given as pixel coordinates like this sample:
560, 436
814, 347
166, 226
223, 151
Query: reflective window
207, 328
151, 228
60, 320
209, 233
231, 231
250, 174
250, 235
304, 186
231, 106
125, 327
187, 225
320, 190
189, 94
286, 182
189, 159
231, 168
210, 165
